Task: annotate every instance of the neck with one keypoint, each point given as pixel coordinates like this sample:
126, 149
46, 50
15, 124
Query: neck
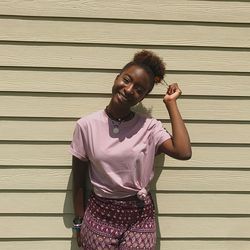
119, 113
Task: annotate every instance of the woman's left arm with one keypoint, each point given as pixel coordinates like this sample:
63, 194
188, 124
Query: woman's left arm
179, 145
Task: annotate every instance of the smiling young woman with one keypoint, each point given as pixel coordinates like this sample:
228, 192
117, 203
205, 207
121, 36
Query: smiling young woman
116, 148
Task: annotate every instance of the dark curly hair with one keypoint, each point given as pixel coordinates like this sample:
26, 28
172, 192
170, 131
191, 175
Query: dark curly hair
151, 63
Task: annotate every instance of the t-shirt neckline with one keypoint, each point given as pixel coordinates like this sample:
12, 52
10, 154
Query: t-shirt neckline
123, 123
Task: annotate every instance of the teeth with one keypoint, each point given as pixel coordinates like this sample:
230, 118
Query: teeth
123, 96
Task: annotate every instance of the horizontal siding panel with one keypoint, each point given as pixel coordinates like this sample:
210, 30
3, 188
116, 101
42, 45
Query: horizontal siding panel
202, 180
36, 203
36, 227
181, 203
101, 82
204, 244
204, 227
41, 244
57, 155
217, 133
188, 180
35, 155
166, 203
44, 227
181, 10
35, 179
30, 130
214, 156
123, 33
164, 244
74, 107
82, 57
57, 81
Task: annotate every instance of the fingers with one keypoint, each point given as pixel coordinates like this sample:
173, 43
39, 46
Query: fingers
173, 88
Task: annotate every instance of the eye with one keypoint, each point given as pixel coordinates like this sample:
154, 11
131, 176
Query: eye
139, 90
126, 80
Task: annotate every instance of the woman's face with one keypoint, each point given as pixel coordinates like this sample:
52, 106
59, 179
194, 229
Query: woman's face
131, 86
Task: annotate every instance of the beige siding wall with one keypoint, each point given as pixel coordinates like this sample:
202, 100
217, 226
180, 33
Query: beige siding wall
58, 61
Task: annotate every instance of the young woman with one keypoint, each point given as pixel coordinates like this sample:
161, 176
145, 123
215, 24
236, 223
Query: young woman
116, 148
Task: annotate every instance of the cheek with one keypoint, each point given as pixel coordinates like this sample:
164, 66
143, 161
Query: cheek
114, 88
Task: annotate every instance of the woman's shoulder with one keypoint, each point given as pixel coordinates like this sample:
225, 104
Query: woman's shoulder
89, 118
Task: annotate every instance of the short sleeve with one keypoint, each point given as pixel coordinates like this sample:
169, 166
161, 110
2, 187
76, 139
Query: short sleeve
160, 134
78, 144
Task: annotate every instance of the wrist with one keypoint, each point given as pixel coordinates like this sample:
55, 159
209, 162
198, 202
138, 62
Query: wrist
169, 103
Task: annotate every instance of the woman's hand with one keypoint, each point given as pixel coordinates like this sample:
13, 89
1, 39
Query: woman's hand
172, 93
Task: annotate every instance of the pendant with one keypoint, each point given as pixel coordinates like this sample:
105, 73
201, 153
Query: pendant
116, 130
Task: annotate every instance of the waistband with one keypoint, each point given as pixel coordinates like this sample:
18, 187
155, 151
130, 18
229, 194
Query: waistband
128, 198
132, 200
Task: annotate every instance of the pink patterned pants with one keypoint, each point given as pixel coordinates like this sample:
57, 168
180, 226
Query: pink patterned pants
111, 224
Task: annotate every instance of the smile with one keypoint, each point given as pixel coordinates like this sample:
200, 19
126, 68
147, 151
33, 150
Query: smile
122, 97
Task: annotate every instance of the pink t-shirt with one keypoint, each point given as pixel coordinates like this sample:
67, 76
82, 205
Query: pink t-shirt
120, 164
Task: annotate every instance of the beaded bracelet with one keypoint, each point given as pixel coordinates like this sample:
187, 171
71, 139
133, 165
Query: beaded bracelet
77, 227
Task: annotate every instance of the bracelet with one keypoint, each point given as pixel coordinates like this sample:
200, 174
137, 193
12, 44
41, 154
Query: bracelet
77, 229
77, 220
77, 223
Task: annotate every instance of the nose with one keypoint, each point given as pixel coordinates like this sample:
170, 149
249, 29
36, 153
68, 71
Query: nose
129, 89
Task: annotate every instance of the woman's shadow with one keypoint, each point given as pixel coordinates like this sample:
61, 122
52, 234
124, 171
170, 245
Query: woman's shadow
68, 212
159, 163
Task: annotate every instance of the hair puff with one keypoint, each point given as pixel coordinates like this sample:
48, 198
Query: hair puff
153, 62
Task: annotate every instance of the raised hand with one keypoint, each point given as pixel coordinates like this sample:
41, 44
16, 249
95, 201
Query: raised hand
172, 93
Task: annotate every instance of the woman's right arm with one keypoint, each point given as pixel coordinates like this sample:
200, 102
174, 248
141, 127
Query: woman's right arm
80, 179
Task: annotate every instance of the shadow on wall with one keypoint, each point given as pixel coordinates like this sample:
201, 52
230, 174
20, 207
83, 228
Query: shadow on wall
68, 203
158, 169
68, 210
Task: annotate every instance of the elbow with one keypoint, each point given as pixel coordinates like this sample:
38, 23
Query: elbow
186, 156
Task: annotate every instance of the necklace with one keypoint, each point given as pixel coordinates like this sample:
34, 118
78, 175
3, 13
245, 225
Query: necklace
116, 129
117, 121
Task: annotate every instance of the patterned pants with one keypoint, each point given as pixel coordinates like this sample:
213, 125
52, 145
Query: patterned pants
111, 224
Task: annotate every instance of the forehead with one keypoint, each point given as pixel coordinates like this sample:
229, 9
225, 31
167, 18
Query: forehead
138, 74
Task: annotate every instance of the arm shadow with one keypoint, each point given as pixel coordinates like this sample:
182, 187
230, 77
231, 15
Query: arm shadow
68, 209
68, 213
